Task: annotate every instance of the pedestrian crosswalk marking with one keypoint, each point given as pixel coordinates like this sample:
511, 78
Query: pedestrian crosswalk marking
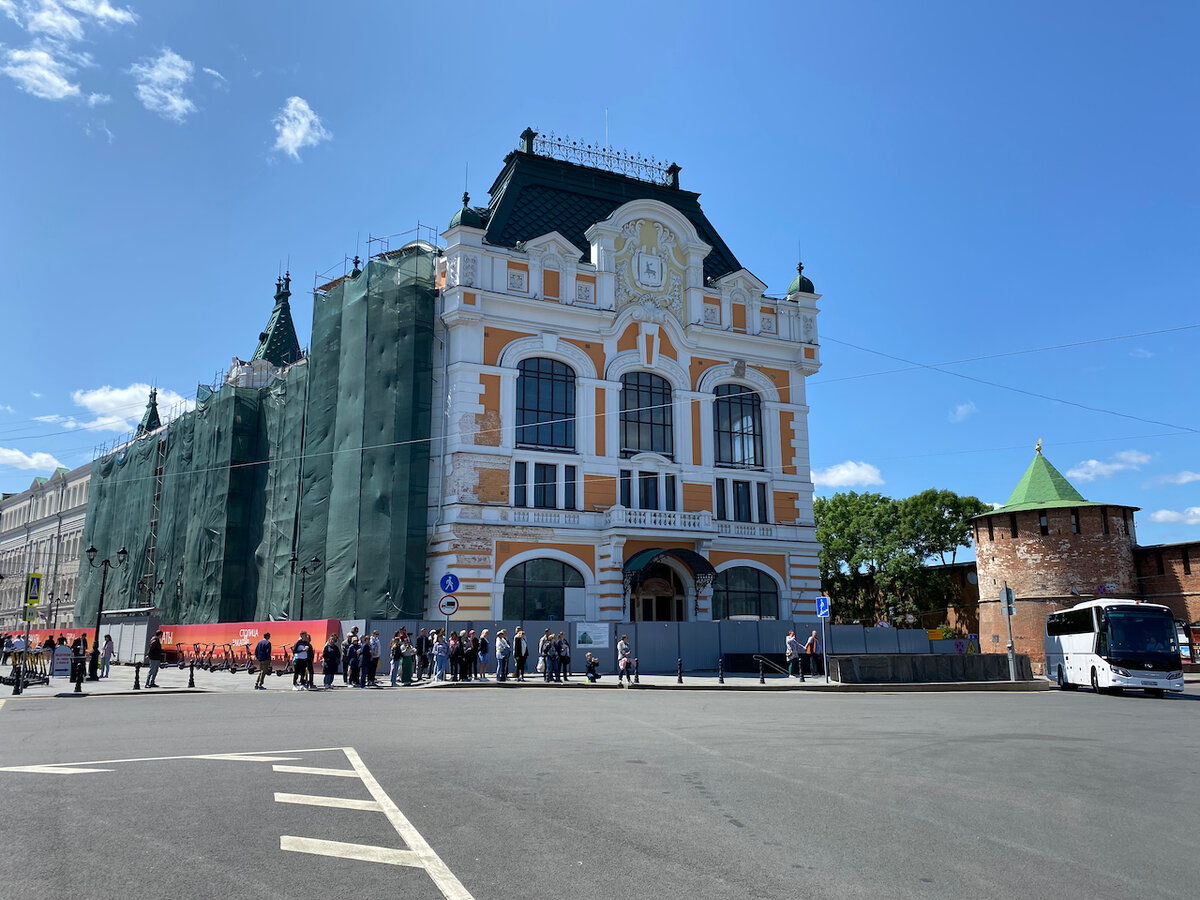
363, 852
317, 770
335, 802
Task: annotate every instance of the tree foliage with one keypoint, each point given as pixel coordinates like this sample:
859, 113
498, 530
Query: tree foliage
874, 550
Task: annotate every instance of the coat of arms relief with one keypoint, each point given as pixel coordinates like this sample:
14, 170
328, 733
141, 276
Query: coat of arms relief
649, 270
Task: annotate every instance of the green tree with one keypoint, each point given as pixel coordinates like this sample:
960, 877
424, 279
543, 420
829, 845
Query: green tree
937, 522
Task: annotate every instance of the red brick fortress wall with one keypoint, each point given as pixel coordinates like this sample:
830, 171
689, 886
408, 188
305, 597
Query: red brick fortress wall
1170, 574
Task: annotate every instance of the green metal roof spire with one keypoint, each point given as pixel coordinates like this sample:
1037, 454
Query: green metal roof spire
150, 420
278, 344
1042, 487
800, 282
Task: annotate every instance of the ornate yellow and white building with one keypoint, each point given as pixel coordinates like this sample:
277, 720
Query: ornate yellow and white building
625, 429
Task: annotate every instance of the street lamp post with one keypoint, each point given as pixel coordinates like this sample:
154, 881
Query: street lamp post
311, 566
104, 565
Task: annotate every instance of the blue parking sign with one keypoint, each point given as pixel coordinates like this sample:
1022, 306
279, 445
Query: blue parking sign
449, 583
823, 607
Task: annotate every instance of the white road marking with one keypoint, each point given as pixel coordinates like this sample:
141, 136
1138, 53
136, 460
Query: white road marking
317, 770
364, 852
75, 768
1, 704
336, 802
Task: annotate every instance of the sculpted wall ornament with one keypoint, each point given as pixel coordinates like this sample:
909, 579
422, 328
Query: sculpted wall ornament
712, 313
809, 328
767, 324
648, 271
470, 267
584, 292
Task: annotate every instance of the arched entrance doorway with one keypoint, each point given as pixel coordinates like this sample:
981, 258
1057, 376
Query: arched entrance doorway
661, 584
660, 596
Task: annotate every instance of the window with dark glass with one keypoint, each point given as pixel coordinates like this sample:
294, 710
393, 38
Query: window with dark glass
1160, 569
569, 478
545, 404
741, 502
647, 490
646, 420
1187, 561
1043, 524
722, 513
669, 494
1074, 521
545, 481
1104, 520
737, 427
520, 479
762, 502
742, 591
991, 530
626, 488
537, 589
1012, 523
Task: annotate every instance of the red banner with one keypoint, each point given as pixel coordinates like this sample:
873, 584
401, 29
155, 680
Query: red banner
196, 638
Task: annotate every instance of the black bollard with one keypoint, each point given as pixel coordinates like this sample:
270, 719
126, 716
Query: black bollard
679, 676
192, 675
79, 681
17, 672
762, 677
635, 671
137, 677
720, 670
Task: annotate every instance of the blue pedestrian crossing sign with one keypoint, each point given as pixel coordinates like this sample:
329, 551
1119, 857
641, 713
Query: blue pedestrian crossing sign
449, 583
33, 589
823, 607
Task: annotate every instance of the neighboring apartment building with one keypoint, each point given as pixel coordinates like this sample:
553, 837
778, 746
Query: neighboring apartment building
41, 531
625, 434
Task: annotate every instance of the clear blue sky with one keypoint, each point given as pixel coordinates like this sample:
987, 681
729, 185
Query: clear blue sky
966, 180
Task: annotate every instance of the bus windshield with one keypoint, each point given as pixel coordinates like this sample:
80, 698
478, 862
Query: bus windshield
1140, 634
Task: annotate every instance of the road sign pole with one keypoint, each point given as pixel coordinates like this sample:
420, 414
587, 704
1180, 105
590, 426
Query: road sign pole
1008, 601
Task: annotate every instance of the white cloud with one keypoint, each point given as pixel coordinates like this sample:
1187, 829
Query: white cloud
18, 460
161, 82
1140, 353
847, 474
1190, 516
53, 21
297, 126
35, 395
221, 79
103, 12
960, 412
1184, 477
40, 73
98, 99
6, 408
116, 409
1091, 469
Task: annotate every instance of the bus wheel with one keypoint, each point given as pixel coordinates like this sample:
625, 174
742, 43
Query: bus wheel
1157, 693
1095, 681
1063, 684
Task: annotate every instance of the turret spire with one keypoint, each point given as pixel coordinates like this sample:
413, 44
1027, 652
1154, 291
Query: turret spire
150, 419
277, 343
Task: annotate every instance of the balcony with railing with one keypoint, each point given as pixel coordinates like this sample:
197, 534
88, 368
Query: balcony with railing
662, 519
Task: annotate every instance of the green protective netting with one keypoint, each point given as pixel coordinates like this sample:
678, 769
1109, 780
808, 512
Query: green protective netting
330, 460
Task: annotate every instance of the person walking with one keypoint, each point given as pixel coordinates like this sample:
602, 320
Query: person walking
624, 660
482, 659
106, 656
394, 649
422, 646
810, 651
791, 653
262, 659
441, 656
503, 653
563, 646
154, 655
331, 658
520, 652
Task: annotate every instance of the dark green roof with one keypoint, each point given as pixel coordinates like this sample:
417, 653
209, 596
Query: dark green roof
468, 216
1043, 487
800, 283
534, 195
278, 343
150, 420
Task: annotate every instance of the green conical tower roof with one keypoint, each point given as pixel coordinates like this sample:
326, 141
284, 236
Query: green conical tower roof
150, 420
278, 344
1043, 487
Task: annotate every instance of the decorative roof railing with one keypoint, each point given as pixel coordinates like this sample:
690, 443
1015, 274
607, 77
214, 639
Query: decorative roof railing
622, 162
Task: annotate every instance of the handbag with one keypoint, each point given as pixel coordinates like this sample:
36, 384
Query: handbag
541, 665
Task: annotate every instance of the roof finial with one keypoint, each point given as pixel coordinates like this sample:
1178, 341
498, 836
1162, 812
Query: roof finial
466, 199
1038, 448
799, 268
357, 271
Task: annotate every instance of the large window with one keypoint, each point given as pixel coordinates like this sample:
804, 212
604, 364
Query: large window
747, 503
746, 593
737, 427
545, 404
538, 589
646, 422
550, 483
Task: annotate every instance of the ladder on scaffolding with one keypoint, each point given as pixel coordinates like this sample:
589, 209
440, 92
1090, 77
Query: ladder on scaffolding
152, 544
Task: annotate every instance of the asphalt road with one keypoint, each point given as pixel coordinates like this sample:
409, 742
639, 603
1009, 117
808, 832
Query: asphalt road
602, 794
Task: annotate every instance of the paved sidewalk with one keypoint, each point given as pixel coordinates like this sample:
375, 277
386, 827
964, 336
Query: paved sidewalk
175, 680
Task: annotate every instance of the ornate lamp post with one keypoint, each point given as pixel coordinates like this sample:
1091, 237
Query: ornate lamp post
104, 565
310, 567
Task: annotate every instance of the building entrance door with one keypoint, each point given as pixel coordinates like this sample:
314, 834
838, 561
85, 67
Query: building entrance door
660, 596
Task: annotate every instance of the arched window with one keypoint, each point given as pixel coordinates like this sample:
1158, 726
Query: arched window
546, 404
743, 592
537, 589
737, 427
646, 420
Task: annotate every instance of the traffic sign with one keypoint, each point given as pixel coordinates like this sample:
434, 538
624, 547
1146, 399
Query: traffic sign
33, 589
448, 605
823, 607
1007, 599
449, 583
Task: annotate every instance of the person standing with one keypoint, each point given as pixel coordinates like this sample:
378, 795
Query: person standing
331, 658
810, 650
353, 660
520, 652
791, 653
262, 656
503, 652
350, 639
302, 653
422, 646
482, 660
624, 660
154, 655
394, 649
563, 646
441, 656
105, 655
471, 655
376, 653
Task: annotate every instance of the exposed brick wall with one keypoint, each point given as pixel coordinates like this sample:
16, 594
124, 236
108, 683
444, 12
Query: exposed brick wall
1175, 587
1051, 566
1028, 626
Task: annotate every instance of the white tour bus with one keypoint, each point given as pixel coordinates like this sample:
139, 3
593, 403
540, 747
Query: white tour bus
1114, 644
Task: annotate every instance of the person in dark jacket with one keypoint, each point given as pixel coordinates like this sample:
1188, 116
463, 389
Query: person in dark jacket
262, 660
520, 653
563, 646
352, 660
471, 656
423, 646
331, 658
154, 654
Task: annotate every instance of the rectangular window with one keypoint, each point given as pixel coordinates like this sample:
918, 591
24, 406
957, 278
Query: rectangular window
741, 502
1104, 520
545, 481
626, 498
1187, 561
762, 502
1012, 523
670, 493
722, 513
647, 490
569, 479
1043, 523
991, 531
1074, 521
520, 497
1158, 563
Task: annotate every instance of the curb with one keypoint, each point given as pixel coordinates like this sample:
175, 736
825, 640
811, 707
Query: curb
830, 688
